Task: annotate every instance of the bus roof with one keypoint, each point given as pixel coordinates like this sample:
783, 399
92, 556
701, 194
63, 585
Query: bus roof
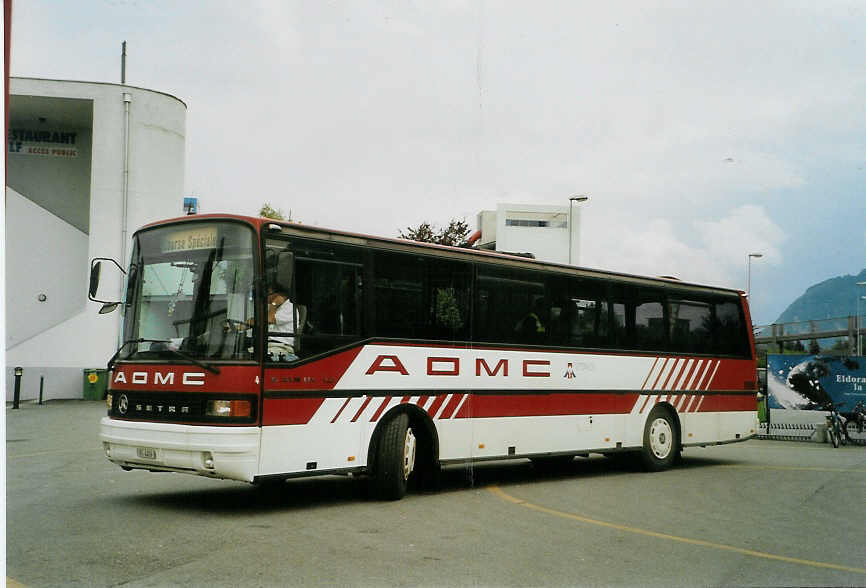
299, 229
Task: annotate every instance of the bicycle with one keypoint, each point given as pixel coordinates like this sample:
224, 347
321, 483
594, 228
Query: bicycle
836, 427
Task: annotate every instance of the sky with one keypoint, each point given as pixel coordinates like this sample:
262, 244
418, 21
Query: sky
702, 131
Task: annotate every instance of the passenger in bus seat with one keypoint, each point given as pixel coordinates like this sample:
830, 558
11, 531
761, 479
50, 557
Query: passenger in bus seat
532, 326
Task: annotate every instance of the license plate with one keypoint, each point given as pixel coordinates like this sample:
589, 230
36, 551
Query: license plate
146, 452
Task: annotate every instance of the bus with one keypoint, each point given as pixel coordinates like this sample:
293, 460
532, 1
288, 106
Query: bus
259, 350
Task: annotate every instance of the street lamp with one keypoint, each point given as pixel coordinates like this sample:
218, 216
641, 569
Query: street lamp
749, 279
859, 320
571, 201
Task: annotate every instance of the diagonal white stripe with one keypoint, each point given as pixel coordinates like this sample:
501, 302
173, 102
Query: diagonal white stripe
689, 405
459, 406
701, 375
683, 374
442, 407
713, 376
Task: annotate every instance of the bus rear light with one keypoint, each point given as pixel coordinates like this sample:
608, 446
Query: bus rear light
108, 399
207, 459
229, 408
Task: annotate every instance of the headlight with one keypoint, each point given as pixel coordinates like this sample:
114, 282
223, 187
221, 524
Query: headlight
229, 408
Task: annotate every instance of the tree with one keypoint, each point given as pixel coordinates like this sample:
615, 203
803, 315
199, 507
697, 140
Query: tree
814, 347
268, 211
455, 234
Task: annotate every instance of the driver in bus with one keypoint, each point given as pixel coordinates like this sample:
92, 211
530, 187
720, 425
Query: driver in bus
281, 321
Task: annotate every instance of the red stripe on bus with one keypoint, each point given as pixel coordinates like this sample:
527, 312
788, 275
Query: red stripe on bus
379, 410
659, 377
489, 406
363, 406
451, 406
436, 404
679, 379
339, 412
289, 411
689, 375
323, 374
643, 386
670, 374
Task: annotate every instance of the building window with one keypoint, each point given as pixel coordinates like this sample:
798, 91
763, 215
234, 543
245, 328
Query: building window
553, 224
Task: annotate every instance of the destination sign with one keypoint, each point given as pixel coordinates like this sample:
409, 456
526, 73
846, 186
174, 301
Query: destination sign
190, 239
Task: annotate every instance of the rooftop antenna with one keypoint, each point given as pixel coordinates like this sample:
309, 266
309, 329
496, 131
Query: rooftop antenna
123, 65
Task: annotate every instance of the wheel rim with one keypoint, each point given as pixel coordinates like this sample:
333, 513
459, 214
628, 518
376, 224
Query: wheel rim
661, 438
409, 445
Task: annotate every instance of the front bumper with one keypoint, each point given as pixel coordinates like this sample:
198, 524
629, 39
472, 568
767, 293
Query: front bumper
217, 452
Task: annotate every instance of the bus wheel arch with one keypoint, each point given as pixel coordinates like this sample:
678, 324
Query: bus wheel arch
425, 441
662, 438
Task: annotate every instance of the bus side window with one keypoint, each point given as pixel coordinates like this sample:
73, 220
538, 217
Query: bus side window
333, 298
511, 307
690, 326
650, 322
729, 336
590, 319
449, 296
399, 291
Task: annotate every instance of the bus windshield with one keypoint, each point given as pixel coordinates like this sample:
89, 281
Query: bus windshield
190, 290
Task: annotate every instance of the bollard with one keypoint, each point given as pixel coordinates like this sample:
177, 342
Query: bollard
41, 386
19, 371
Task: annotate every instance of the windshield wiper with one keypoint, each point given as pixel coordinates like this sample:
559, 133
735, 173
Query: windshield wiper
181, 354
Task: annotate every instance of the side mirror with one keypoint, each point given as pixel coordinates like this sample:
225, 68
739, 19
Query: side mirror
95, 272
108, 307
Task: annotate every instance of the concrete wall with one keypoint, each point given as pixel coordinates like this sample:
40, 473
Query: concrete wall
44, 281
81, 338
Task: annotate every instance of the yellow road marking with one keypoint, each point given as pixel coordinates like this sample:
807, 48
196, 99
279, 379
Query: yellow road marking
699, 542
10, 583
794, 468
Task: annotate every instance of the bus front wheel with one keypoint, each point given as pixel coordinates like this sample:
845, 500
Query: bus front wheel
661, 443
395, 458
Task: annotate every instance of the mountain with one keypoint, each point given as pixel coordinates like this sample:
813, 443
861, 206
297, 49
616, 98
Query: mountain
836, 297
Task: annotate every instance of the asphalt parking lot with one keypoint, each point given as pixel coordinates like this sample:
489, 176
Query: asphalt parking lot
754, 513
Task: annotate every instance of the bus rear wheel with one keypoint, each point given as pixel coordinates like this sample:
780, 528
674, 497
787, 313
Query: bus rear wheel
395, 458
661, 444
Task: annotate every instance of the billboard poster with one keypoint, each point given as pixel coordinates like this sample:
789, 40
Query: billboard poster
808, 382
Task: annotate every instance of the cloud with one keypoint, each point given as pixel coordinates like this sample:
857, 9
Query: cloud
716, 254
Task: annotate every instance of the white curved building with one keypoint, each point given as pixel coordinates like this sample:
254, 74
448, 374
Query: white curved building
88, 163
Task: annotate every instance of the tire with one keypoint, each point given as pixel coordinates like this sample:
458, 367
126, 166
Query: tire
395, 459
661, 443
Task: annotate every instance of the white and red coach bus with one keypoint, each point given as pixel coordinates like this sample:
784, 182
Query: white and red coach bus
392, 357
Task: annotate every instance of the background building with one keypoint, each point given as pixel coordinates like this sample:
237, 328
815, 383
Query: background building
88, 163
526, 228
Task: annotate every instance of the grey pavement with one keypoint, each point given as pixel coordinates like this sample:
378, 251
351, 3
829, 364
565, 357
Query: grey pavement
755, 513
